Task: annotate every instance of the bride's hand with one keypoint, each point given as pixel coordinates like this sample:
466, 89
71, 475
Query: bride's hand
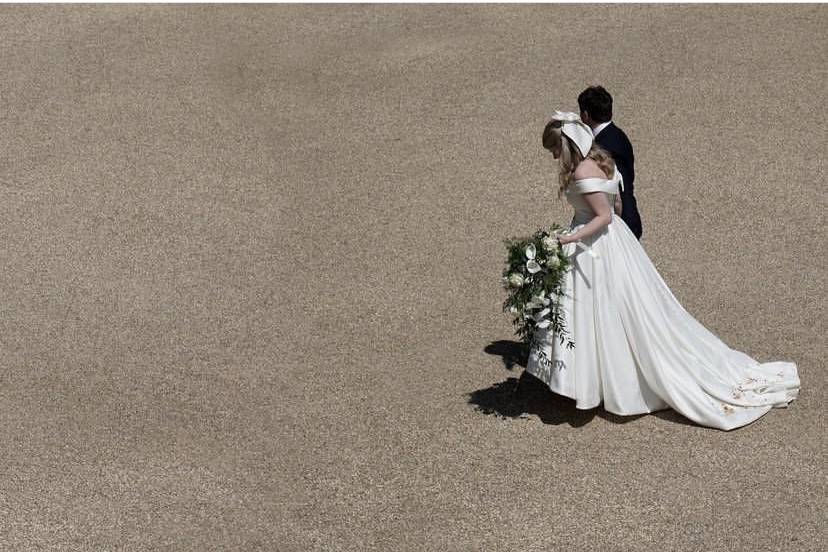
563, 239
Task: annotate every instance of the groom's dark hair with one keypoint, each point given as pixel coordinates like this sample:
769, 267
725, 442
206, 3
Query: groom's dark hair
596, 101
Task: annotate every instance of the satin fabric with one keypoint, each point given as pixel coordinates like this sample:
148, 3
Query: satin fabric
637, 350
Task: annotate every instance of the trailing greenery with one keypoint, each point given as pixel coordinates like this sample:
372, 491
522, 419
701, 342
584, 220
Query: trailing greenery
533, 276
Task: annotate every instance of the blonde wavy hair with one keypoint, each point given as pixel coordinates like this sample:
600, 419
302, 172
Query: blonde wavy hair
571, 156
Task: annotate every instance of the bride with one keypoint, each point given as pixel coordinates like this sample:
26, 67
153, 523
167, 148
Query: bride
636, 349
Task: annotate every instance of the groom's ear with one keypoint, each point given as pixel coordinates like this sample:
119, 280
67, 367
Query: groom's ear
585, 116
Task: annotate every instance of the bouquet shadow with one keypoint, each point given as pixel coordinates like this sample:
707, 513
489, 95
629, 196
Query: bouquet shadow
526, 395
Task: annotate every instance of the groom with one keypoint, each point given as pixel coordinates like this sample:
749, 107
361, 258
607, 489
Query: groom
596, 111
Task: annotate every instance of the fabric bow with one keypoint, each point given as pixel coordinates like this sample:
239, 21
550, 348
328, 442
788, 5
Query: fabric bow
575, 129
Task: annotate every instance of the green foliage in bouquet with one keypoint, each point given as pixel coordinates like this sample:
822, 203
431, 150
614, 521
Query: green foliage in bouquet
534, 277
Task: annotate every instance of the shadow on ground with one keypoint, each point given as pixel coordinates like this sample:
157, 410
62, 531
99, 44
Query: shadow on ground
513, 353
526, 395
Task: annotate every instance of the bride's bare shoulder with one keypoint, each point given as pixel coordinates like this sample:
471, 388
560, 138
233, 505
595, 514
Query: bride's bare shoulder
588, 169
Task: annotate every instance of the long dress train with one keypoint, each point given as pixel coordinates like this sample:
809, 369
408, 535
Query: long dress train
637, 349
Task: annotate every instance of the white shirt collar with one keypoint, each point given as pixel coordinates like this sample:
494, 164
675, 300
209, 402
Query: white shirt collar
599, 128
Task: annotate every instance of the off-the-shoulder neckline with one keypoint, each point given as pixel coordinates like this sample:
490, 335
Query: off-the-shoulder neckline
594, 178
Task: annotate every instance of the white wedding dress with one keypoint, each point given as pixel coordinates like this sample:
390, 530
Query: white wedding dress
636, 349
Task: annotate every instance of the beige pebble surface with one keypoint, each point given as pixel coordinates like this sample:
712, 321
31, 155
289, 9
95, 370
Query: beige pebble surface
250, 277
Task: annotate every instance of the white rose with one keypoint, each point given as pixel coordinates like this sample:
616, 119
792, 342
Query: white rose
550, 244
515, 280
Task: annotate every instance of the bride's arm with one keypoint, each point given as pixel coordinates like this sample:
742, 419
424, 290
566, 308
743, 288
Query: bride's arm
619, 207
599, 204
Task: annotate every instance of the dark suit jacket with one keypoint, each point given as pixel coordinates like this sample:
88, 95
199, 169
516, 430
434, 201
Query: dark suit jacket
618, 145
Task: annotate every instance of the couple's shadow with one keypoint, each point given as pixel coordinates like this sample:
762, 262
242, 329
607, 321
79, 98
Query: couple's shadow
521, 397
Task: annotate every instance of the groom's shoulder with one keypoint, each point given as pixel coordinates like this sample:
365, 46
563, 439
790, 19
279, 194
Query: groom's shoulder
617, 130
619, 133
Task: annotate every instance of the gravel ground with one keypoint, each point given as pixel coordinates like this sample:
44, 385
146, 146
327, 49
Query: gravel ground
250, 282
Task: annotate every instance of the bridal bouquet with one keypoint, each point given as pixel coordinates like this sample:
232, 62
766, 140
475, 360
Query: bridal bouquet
534, 277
